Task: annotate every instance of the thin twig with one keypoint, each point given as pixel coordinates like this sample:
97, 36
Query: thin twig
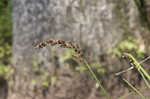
124, 71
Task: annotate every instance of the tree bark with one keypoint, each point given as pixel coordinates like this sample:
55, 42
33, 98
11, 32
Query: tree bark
97, 25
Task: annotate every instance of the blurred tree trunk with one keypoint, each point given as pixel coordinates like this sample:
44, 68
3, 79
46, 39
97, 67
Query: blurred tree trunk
148, 10
97, 25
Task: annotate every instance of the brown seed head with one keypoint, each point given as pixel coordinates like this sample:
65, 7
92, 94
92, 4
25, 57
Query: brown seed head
63, 44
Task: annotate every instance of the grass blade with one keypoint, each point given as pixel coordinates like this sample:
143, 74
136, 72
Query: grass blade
78, 55
138, 66
130, 93
145, 80
134, 89
98, 81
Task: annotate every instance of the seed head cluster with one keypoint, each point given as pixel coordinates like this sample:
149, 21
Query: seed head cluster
63, 44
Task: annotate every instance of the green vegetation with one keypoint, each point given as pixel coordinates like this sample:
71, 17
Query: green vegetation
67, 55
134, 89
76, 53
142, 72
6, 71
128, 45
5, 38
46, 79
138, 66
97, 80
97, 65
41, 76
131, 93
81, 67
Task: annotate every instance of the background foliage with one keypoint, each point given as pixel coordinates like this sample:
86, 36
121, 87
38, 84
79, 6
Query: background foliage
5, 36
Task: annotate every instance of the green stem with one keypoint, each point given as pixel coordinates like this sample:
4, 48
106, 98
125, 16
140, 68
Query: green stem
138, 66
138, 92
145, 80
98, 81
131, 93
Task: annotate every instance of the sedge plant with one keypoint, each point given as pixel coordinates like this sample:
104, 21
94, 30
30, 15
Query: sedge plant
135, 64
78, 55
